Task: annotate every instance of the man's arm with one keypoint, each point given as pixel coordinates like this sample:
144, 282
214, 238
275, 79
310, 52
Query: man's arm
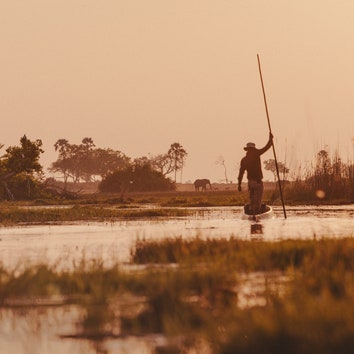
268, 145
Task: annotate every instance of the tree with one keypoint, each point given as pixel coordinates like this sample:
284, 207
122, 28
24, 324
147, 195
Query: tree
177, 154
136, 178
23, 159
85, 161
323, 163
162, 163
270, 165
108, 160
172, 161
221, 161
65, 163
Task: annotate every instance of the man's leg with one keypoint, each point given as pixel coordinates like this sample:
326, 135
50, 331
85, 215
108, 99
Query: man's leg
257, 196
252, 188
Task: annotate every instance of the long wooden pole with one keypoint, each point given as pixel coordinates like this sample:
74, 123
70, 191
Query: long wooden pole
270, 131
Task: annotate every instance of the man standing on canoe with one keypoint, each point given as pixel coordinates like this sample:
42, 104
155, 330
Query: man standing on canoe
252, 164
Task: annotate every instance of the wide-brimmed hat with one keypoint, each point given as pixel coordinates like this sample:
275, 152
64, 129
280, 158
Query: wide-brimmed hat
249, 146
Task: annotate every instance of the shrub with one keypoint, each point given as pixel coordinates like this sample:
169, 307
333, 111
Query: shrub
136, 179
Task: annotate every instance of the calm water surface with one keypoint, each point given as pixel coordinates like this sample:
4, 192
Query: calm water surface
113, 241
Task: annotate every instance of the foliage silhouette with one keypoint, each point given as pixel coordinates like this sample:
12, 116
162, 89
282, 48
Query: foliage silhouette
136, 178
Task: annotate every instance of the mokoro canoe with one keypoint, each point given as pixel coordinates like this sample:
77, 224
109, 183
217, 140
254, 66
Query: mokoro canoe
266, 213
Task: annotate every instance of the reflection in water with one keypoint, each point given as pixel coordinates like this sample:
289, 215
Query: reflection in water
103, 324
255, 288
256, 229
43, 330
35, 329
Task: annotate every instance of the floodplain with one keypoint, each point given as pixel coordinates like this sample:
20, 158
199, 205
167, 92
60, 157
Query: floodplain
148, 278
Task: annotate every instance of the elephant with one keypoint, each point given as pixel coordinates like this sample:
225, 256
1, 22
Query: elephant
202, 183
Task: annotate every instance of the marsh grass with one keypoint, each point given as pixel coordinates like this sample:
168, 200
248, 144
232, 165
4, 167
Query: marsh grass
197, 299
12, 215
167, 198
240, 254
111, 208
172, 198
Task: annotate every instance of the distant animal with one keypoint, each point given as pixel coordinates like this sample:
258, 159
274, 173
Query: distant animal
202, 183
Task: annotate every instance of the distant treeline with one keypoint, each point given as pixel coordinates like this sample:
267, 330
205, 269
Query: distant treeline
22, 176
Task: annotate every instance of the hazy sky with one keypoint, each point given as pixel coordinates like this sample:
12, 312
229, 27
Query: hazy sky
139, 75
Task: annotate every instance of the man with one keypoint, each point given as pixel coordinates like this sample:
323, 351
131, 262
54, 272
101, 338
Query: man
252, 164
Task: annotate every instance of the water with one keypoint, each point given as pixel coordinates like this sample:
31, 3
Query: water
29, 328
37, 330
113, 242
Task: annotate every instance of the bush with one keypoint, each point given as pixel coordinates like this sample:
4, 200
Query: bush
136, 179
22, 187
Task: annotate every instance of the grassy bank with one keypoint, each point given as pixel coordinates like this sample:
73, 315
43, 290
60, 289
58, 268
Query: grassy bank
294, 193
106, 207
112, 207
14, 215
197, 302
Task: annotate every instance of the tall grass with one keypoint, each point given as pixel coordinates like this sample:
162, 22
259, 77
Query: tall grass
328, 179
236, 253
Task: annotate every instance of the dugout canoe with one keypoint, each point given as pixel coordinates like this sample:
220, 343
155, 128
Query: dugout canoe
266, 213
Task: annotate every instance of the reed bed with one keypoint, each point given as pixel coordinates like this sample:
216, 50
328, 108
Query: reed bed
101, 206
12, 215
189, 291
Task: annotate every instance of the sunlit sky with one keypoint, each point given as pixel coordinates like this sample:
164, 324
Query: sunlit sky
137, 76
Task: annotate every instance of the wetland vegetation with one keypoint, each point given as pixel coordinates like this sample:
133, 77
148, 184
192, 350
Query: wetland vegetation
22, 215
195, 300
111, 207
